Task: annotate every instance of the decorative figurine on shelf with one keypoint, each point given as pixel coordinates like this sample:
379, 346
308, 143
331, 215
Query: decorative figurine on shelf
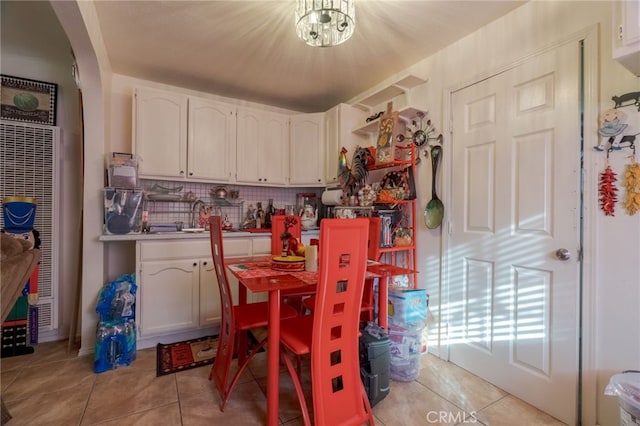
353, 176
226, 223
203, 216
286, 236
260, 215
250, 218
309, 217
367, 196
402, 237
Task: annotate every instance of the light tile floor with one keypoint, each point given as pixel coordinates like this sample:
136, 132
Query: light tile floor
54, 387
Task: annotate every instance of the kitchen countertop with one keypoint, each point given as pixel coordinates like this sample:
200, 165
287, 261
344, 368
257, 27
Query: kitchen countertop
188, 235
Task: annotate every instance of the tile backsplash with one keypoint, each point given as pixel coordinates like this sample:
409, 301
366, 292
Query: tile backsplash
169, 212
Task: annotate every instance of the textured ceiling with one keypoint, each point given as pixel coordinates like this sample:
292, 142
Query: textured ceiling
249, 50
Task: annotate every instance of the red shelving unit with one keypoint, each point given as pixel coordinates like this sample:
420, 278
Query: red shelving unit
404, 255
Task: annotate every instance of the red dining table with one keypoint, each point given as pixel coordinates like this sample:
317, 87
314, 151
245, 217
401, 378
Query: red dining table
255, 274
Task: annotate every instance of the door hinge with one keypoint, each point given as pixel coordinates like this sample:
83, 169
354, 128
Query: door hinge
620, 32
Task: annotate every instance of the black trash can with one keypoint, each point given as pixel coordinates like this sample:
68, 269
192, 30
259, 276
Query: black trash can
375, 359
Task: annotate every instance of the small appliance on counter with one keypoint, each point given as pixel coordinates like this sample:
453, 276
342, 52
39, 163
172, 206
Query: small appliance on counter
307, 209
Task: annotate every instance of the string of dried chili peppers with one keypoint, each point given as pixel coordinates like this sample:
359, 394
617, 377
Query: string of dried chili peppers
608, 191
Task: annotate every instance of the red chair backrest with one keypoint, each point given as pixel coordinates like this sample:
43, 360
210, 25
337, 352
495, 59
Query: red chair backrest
374, 238
277, 228
338, 393
227, 331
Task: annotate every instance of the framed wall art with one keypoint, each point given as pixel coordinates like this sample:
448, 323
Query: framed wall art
29, 101
384, 146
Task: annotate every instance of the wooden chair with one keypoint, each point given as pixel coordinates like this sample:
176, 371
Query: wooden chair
331, 333
235, 320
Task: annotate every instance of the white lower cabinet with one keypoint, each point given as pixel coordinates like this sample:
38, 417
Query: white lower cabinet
210, 310
168, 296
178, 294
209, 294
178, 288
261, 246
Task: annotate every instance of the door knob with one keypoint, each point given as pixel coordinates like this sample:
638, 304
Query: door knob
563, 254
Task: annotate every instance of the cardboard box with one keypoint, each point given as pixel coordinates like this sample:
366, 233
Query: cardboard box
407, 305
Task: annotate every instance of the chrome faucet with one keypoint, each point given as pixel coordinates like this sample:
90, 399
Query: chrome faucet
195, 212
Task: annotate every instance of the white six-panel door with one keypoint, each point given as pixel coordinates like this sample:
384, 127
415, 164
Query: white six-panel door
515, 183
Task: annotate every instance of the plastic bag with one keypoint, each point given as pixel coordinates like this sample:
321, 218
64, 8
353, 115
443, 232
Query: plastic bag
117, 299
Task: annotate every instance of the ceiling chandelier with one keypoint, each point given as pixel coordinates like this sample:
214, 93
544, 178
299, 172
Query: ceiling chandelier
324, 23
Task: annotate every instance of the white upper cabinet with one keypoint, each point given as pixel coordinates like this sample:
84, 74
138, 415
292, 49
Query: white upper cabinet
178, 136
307, 149
160, 133
211, 140
262, 147
626, 40
339, 123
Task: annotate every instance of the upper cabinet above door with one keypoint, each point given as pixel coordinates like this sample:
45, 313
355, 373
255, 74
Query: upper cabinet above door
306, 165
177, 136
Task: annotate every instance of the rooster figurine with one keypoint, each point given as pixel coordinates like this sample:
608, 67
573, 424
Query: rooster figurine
354, 176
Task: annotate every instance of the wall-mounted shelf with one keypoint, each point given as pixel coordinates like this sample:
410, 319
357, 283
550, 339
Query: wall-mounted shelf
406, 114
399, 87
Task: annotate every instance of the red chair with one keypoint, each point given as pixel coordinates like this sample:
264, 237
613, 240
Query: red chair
277, 228
331, 333
373, 253
235, 320
291, 297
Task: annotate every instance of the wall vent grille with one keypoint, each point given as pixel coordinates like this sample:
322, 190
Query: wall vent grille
28, 158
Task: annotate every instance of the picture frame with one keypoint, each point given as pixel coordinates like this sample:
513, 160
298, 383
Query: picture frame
28, 101
385, 142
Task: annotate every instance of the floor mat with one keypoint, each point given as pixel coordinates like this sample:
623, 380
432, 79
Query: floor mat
188, 354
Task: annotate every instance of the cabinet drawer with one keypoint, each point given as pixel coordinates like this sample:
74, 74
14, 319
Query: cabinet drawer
261, 245
237, 247
166, 250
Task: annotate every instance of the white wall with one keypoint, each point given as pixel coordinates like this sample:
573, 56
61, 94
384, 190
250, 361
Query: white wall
612, 244
45, 55
80, 23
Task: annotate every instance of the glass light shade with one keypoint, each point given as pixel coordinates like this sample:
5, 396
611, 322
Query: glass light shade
324, 23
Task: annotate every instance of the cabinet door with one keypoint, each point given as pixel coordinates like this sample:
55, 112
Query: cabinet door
247, 142
211, 140
306, 141
626, 42
209, 294
210, 309
160, 133
262, 147
274, 149
168, 299
339, 123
